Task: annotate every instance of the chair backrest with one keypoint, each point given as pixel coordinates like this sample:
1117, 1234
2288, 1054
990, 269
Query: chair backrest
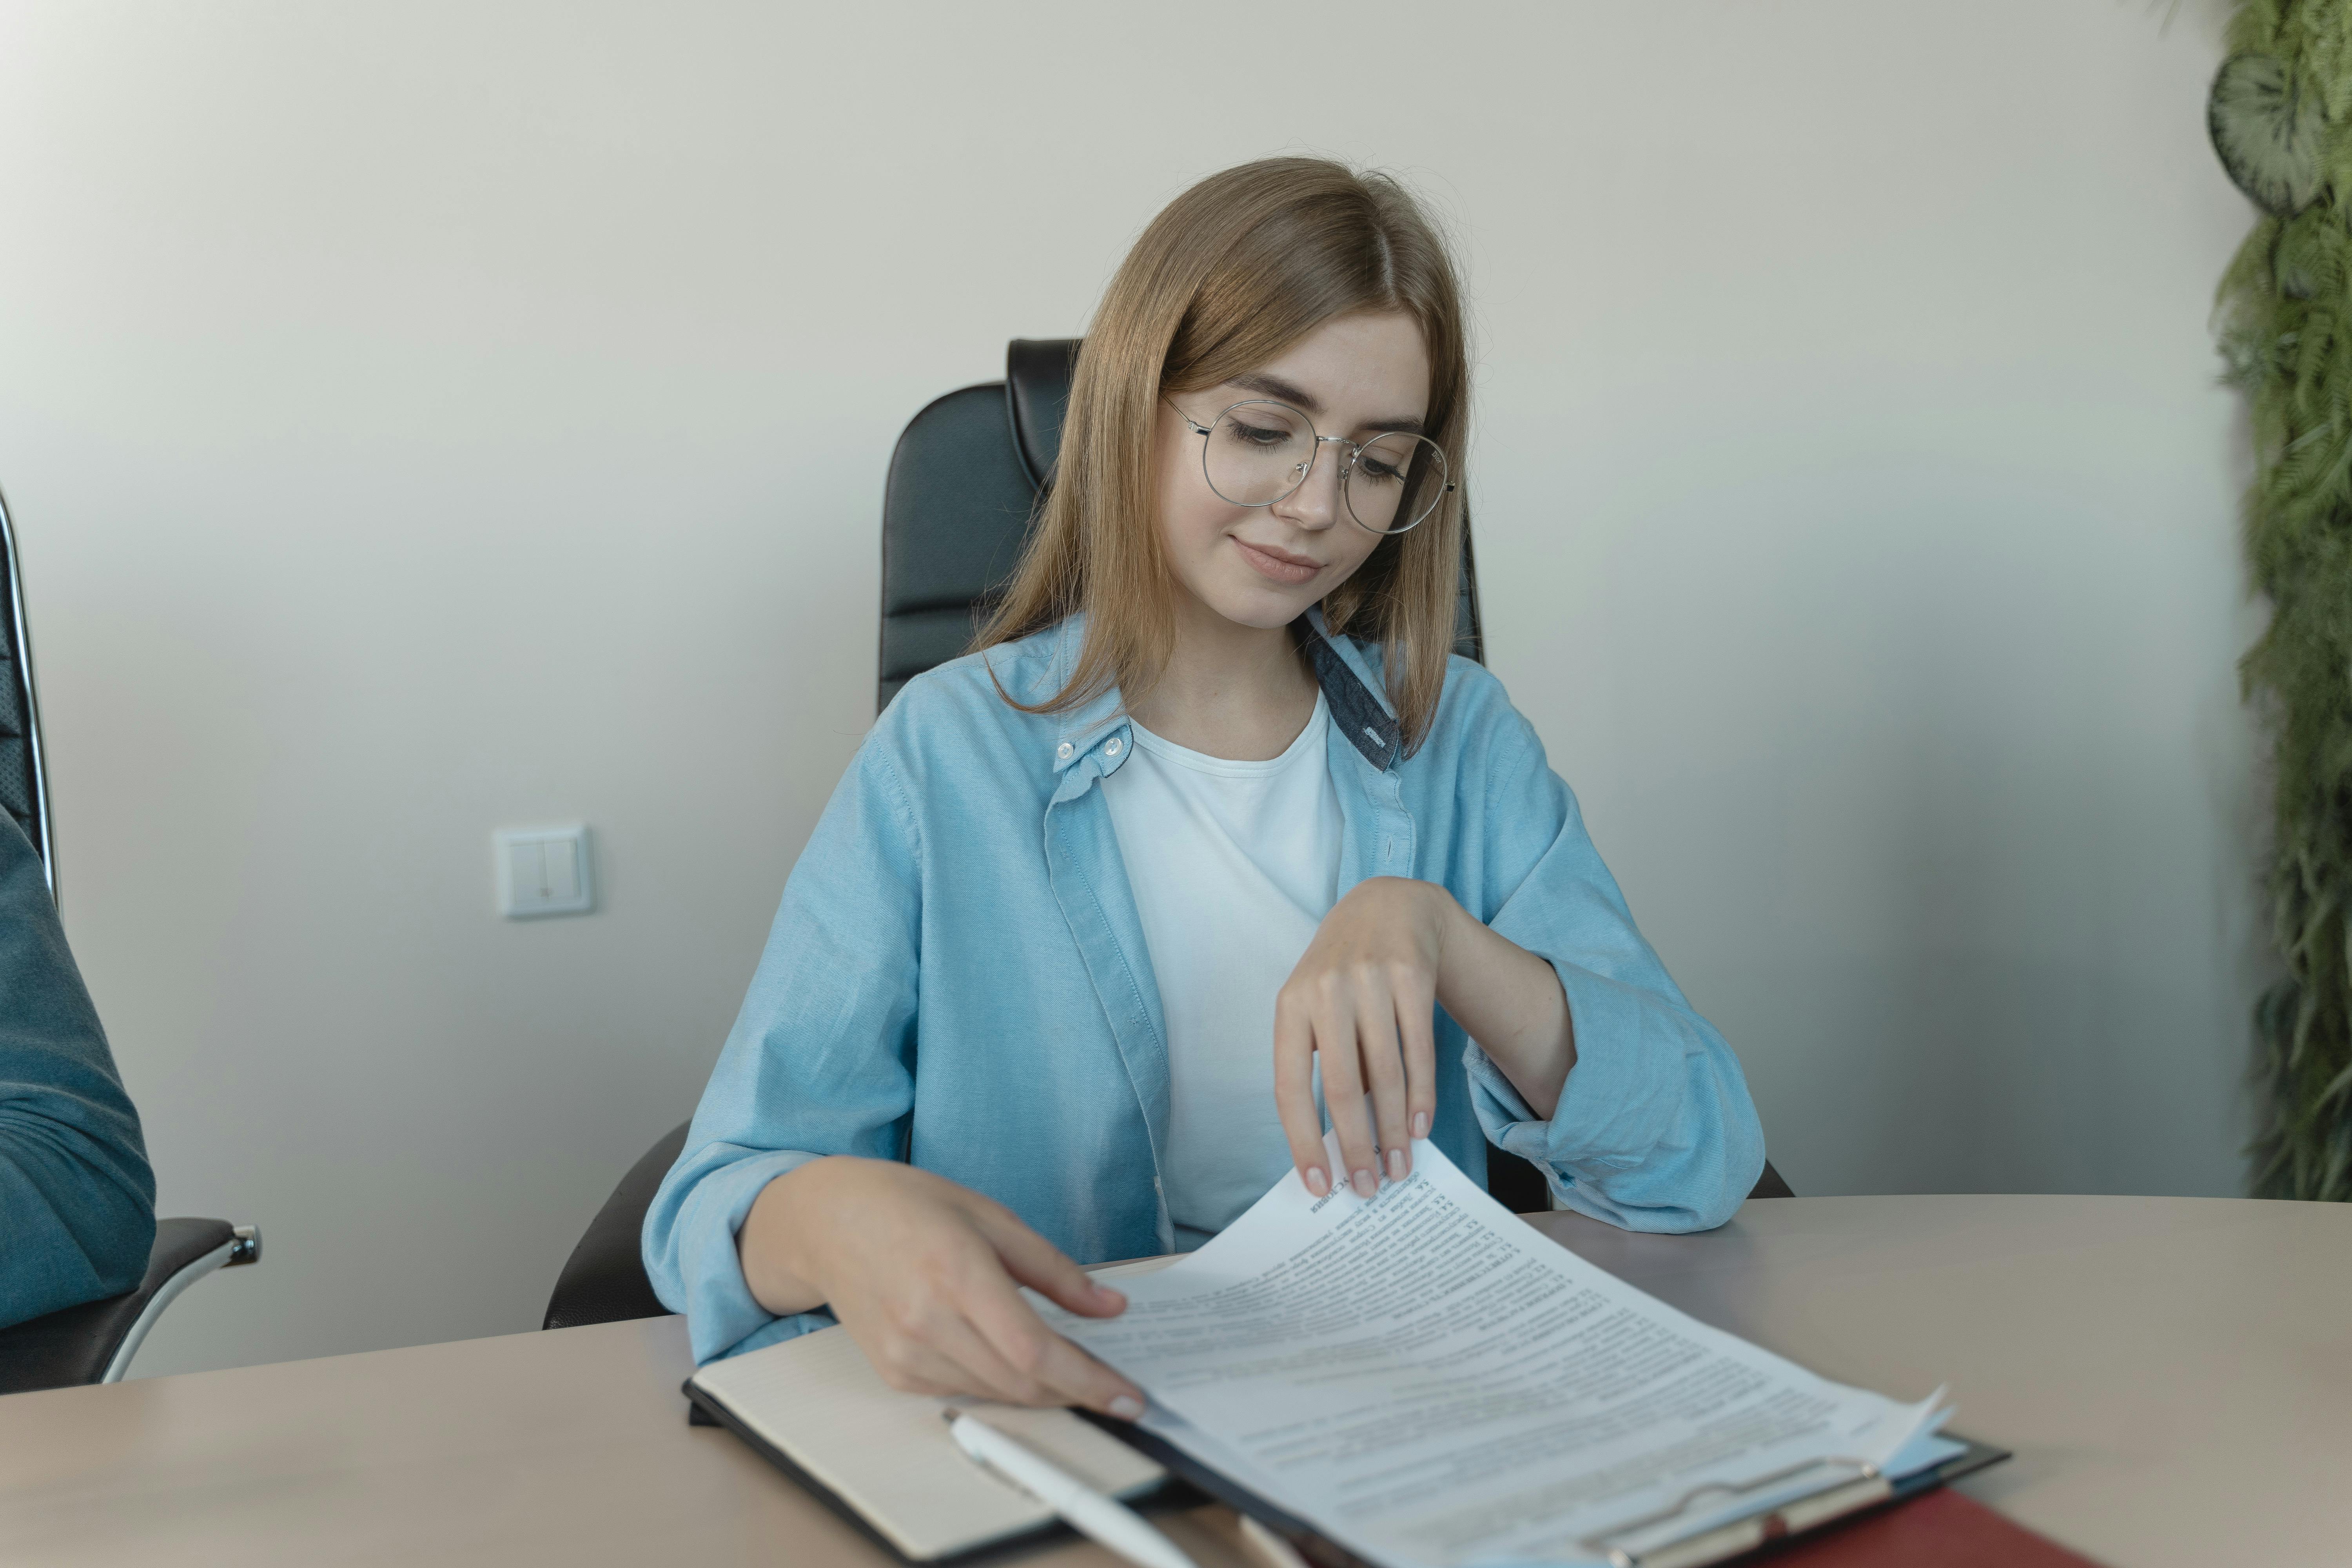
23, 785
963, 488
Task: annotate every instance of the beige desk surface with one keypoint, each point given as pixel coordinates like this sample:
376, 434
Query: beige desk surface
2175, 1375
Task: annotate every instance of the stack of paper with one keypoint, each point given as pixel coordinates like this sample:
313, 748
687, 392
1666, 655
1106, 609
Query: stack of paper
1428, 1381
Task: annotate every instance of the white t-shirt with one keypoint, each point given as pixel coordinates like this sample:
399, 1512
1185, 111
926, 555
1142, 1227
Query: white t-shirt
1233, 864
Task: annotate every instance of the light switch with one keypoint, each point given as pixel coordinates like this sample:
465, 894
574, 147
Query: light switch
559, 869
542, 871
527, 869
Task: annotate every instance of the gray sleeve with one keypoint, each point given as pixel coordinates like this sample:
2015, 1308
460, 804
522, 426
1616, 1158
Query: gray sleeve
77, 1197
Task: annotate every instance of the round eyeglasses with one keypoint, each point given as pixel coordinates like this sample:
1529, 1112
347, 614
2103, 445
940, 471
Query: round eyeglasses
1259, 451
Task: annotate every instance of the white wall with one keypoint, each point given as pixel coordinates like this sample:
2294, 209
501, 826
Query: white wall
423, 418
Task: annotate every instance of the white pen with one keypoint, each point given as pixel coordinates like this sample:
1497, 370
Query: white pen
1089, 1511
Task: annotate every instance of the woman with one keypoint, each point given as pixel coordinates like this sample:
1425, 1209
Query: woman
1208, 816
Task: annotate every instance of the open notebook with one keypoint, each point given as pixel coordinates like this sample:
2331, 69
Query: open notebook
815, 1408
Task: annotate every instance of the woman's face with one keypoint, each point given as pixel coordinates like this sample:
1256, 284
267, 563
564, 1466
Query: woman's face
1263, 566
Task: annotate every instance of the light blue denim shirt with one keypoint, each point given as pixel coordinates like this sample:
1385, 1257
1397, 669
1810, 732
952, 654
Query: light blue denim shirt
958, 978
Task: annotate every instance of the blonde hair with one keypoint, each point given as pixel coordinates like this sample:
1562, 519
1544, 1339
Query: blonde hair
1229, 275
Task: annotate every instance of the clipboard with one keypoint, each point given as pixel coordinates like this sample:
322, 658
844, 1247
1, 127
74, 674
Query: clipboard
1649, 1542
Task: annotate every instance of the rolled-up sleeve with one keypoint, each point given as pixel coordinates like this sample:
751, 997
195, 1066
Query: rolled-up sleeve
1655, 1130
820, 1061
77, 1195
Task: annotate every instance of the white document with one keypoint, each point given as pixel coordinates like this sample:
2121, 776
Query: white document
1432, 1382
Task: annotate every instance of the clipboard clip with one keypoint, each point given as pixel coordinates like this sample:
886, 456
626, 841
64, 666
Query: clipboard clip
1694, 1531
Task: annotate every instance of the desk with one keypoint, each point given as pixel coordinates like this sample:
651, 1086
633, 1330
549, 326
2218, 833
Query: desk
2175, 1375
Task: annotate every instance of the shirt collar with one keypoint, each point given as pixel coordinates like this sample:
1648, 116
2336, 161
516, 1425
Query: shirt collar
1078, 731
1359, 702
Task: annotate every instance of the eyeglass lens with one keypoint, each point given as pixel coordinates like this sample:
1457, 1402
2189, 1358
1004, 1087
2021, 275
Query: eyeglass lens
1258, 453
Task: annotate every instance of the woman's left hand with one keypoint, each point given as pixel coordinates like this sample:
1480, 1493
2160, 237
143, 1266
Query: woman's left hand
1363, 1000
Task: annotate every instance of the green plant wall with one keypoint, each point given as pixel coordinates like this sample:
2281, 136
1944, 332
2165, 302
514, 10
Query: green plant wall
2280, 118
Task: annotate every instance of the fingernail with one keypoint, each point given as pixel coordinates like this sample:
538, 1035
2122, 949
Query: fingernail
1127, 1407
1366, 1183
1111, 1296
1421, 1123
1396, 1164
1317, 1182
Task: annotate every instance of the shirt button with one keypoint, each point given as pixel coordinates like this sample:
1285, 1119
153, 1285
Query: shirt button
1112, 750
1064, 751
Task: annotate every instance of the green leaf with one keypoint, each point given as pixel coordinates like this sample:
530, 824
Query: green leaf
2307, 259
2268, 124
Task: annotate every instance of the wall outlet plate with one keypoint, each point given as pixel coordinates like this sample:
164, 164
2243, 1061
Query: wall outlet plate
543, 870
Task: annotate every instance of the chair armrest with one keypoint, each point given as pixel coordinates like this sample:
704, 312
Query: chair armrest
605, 1280
1518, 1188
94, 1342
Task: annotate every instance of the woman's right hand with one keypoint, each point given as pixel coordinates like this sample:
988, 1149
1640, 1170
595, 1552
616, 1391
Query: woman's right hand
924, 1274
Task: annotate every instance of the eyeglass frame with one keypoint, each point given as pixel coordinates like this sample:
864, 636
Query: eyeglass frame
1355, 450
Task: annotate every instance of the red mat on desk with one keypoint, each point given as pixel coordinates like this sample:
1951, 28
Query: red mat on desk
1941, 1529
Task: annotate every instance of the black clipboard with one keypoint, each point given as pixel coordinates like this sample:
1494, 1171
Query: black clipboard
1324, 1552
1191, 1481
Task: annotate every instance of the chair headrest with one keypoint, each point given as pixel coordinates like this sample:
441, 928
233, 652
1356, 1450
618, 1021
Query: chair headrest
1037, 394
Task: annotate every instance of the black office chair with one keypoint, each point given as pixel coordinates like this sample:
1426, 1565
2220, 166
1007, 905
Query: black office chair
92, 1343
963, 485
